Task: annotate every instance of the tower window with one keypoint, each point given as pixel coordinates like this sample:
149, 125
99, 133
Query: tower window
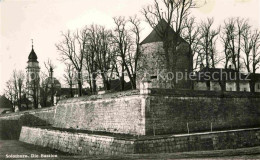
153, 77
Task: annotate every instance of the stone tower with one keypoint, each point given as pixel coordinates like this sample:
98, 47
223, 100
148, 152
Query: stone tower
152, 62
33, 80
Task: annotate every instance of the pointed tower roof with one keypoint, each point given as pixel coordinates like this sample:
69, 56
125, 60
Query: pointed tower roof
32, 56
155, 36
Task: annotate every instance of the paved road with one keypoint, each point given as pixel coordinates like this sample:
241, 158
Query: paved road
16, 149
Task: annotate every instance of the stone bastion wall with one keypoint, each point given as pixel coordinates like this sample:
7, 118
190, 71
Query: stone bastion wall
160, 111
46, 114
152, 112
93, 144
11, 124
176, 111
116, 113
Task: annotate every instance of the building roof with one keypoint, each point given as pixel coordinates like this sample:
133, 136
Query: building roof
116, 85
155, 36
53, 80
217, 74
66, 92
24, 100
32, 56
5, 103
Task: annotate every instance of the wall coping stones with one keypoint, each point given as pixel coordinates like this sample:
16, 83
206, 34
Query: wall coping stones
102, 96
196, 93
143, 138
86, 132
117, 136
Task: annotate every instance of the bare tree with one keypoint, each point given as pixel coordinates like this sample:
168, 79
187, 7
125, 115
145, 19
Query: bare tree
101, 46
124, 43
247, 46
134, 55
44, 89
256, 52
231, 38
191, 33
69, 75
20, 83
50, 67
118, 64
9, 92
18, 78
242, 26
234, 30
91, 68
250, 46
207, 42
225, 40
72, 49
15, 88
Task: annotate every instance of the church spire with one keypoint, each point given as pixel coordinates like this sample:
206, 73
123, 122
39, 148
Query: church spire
32, 56
32, 43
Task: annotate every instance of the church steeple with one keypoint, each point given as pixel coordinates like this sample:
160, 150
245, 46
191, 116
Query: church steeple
33, 84
32, 56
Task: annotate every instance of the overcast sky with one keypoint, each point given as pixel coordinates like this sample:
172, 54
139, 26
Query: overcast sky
43, 20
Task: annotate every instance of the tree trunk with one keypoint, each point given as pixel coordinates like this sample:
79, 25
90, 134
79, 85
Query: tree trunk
222, 85
90, 85
79, 84
237, 80
71, 91
122, 79
252, 82
79, 88
105, 81
13, 108
94, 85
108, 86
20, 98
52, 91
208, 85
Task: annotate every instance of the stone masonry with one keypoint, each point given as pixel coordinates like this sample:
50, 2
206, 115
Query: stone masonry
153, 63
160, 111
46, 114
115, 115
90, 144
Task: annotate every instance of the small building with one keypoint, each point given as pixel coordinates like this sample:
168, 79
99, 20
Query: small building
160, 67
217, 79
257, 87
116, 86
256, 79
6, 105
